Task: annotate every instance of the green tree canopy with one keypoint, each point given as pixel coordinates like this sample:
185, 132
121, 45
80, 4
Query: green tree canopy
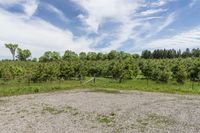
23, 55
70, 55
12, 48
91, 56
50, 56
83, 56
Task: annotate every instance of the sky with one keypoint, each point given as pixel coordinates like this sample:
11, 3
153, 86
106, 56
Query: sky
99, 25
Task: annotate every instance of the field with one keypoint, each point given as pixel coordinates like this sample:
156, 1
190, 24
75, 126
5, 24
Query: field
79, 111
102, 84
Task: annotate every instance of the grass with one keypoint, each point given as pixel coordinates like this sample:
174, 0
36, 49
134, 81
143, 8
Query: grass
20, 89
104, 90
153, 121
102, 85
157, 120
140, 84
55, 110
106, 119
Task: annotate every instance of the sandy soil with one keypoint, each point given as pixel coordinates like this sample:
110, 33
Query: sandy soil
97, 112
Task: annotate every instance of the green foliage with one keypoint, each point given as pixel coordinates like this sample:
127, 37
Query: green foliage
23, 55
70, 56
93, 68
179, 73
146, 54
100, 56
122, 70
45, 72
146, 68
194, 72
66, 70
83, 56
91, 56
119, 66
170, 53
123, 55
6, 75
164, 74
50, 56
12, 48
80, 70
113, 55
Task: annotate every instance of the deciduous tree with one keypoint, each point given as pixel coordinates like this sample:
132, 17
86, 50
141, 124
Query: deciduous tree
12, 48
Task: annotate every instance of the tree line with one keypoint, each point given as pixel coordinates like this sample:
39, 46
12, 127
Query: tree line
25, 54
118, 66
160, 70
170, 53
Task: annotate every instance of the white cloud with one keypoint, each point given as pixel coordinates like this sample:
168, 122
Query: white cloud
159, 3
152, 12
188, 39
58, 12
9, 2
156, 27
100, 10
130, 16
167, 22
29, 6
124, 33
150, 30
37, 35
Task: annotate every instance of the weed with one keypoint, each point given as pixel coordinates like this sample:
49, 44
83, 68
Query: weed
56, 110
107, 119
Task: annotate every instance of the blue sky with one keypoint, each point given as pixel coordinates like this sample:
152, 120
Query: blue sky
99, 25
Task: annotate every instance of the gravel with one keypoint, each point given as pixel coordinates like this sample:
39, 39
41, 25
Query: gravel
81, 111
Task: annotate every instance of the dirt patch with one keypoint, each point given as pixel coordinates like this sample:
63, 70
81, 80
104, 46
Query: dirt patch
96, 111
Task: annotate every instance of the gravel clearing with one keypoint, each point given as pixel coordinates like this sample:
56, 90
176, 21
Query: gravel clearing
81, 111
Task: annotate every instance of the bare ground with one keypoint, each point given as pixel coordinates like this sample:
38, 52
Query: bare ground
97, 112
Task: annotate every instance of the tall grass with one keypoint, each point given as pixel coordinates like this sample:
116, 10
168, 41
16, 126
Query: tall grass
140, 84
102, 84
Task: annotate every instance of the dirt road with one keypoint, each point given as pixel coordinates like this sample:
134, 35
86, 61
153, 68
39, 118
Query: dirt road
97, 112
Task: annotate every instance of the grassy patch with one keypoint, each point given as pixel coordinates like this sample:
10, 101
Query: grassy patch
161, 120
106, 119
53, 110
102, 85
140, 84
105, 90
56, 110
155, 121
20, 89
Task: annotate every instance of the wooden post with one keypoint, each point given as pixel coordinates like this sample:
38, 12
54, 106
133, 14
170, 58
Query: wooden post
94, 80
192, 84
81, 78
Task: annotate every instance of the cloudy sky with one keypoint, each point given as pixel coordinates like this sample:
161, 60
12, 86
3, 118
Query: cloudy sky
99, 25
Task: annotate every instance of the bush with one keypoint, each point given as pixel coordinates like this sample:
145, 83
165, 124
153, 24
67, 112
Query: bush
6, 75
66, 71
